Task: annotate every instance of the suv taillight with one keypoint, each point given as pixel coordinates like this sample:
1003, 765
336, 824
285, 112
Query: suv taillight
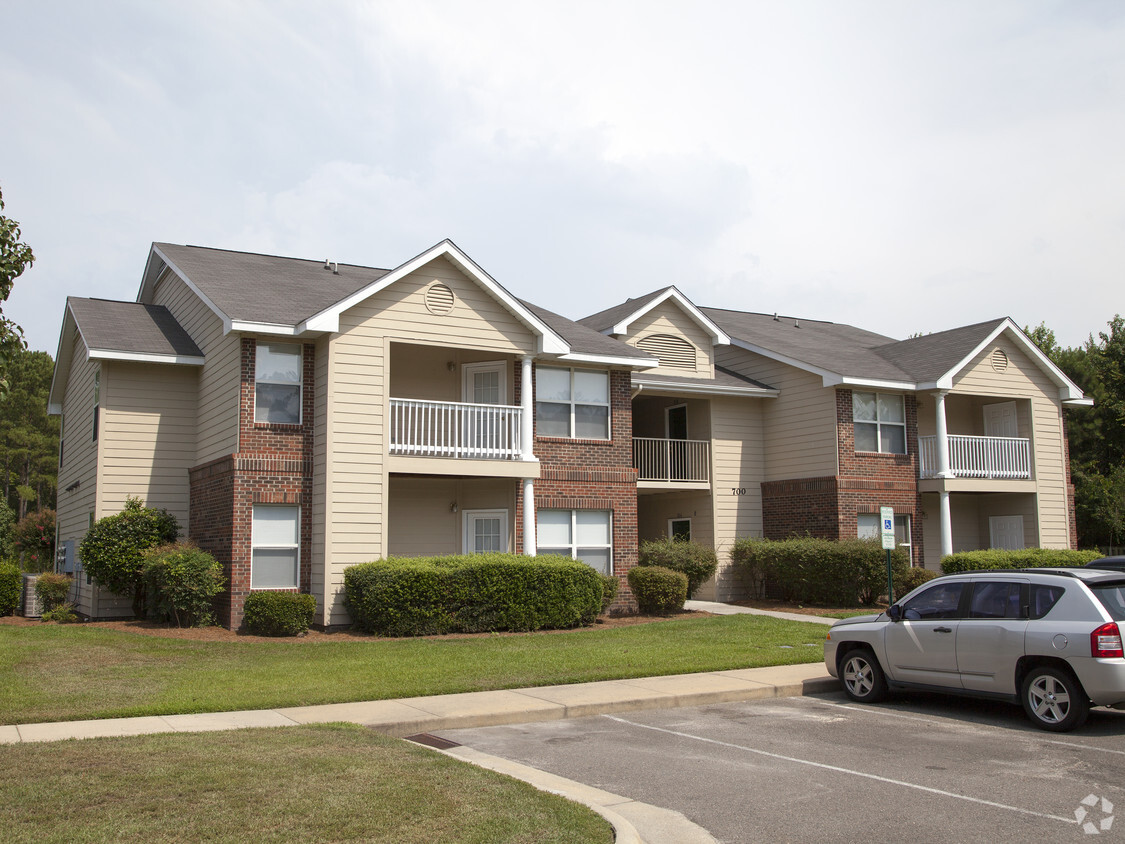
1106, 641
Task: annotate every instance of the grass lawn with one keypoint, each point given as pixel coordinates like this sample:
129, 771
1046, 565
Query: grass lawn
54, 672
323, 783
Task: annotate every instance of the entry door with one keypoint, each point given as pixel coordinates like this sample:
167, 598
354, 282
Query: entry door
1006, 532
484, 432
1000, 420
676, 426
485, 530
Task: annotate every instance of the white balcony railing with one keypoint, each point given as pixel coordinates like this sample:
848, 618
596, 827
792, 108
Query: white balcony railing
455, 429
671, 460
1007, 458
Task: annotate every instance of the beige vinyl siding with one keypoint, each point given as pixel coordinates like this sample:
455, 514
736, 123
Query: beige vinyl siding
668, 318
421, 522
217, 415
799, 426
148, 436
1023, 379
80, 462
422, 372
738, 462
654, 511
355, 473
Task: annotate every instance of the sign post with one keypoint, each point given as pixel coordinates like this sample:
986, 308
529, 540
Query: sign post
887, 531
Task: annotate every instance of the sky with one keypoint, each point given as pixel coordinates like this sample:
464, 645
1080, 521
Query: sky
903, 167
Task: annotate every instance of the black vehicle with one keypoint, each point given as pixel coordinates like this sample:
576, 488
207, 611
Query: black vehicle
1111, 563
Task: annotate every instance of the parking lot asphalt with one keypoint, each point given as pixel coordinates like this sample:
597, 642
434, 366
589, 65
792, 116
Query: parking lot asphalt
922, 768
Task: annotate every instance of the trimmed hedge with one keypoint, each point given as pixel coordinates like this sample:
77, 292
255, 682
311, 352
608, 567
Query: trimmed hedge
181, 581
610, 585
278, 613
658, 590
808, 570
1025, 558
911, 579
11, 585
474, 593
51, 589
698, 562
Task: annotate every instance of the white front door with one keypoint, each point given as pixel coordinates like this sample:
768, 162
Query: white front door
1000, 420
485, 530
484, 431
484, 383
1006, 532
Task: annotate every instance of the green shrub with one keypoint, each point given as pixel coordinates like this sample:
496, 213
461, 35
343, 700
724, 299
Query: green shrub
474, 593
1025, 558
278, 613
610, 585
7, 531
808, 570
11, 586
693, 559
113, 549
911, 579
34, 540
181, 582
658, 590
51, 589
751, 556
62, 614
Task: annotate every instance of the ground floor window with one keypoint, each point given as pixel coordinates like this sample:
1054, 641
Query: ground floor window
869, 529
679, 529
485, 530
276, 544
584, 535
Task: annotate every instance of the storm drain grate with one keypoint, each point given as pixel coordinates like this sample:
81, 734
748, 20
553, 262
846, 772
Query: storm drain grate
432, 741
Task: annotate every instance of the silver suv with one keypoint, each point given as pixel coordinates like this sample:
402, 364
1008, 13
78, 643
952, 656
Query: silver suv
1046, 638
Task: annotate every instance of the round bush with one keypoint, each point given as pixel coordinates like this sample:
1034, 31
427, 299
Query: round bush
181, 581
610, 585
659, 591
51, 589
278, 613
693, 559
911, 579
34, 539
11, 584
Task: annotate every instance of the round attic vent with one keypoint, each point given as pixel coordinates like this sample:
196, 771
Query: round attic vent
439, 299
999, 360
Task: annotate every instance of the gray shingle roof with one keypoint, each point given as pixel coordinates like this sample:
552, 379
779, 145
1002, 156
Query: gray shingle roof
585, 340
131, 328
267, 288
930, 357
723, 378
605, 320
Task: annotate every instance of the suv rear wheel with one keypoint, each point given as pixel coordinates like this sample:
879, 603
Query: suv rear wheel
863, 678
1054, 700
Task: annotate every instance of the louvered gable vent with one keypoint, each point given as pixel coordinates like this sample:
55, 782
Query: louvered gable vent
674, 352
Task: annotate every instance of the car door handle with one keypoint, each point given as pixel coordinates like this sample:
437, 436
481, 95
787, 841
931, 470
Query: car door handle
943, 630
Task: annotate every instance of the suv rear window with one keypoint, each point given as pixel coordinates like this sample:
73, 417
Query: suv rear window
1112, 597
1043, 598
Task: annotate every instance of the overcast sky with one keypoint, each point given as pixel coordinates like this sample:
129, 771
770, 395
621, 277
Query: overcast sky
902, 166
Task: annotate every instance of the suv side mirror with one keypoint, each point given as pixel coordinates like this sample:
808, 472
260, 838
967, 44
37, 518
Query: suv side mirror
894, 612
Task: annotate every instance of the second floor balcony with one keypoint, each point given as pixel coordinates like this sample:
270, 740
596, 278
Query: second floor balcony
458, 430
996, 458
675, 463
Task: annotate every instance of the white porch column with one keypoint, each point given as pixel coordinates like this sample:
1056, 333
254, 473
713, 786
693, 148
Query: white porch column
946, 525
527, 406
942, 435
529, 517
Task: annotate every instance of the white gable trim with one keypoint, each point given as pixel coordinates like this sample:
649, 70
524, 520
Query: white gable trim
830, 379
152, 273
143, 357
548, 341
1068, 390
718, 336
610, 360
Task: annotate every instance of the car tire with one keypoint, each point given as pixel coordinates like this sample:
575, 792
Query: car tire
862, 676
1054, 699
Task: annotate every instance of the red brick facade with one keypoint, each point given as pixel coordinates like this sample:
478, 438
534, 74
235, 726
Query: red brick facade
273, 465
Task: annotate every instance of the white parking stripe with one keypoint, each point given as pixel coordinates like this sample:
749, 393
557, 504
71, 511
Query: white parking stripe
840, 770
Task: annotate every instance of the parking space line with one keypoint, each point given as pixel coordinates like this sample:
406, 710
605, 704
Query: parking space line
1083, 746
840, 770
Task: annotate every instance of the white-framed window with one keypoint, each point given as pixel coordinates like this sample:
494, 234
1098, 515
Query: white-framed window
880, 422
679, 529
485, 530
275, 541
277, 383
572, 403
585, 535
869, 528
97, 402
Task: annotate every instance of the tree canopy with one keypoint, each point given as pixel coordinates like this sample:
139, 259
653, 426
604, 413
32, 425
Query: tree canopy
15, 257
29, 438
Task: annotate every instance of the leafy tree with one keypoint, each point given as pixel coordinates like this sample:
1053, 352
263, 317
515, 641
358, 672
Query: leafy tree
7, 524
34, 540
113, 550
15, 257
29, 438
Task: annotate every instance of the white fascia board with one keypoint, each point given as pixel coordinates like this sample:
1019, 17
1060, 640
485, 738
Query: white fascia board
718, 336
705, 389
144, 357
878, 384
60, 377
191, 286
1068, 390
265, 328
610, 360
1085, 401
548, 341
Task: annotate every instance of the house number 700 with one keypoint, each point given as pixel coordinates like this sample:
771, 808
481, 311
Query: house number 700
738, 490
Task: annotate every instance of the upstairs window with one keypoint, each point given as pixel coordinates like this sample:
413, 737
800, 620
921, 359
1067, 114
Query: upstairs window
572, 403
277, 383
880, 422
